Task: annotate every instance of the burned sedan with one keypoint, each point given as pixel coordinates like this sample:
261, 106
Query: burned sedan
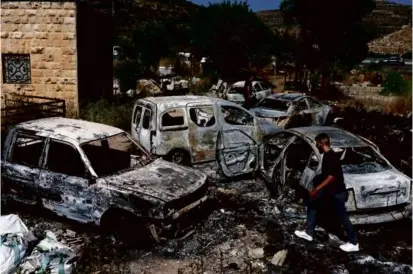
94, 173
378, 192
288, 110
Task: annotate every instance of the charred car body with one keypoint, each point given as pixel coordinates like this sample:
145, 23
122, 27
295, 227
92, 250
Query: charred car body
94, 173
292, 110
378, 192
184, 129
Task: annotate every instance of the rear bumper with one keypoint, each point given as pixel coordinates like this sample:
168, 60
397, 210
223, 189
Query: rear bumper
382, 217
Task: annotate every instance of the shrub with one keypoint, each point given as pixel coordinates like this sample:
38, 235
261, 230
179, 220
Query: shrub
117, 114
395, 84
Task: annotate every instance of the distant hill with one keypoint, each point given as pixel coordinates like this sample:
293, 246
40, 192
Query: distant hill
395, 43
387, 17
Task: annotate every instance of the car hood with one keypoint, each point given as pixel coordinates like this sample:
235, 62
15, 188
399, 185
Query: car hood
160, 179
380, 189
270, 113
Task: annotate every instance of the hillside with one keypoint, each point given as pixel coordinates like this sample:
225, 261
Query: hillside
388, 17
398, 42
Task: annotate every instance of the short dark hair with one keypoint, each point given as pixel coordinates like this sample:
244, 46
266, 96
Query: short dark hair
323, 138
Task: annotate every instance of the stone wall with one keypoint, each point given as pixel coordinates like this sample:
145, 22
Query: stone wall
47, 31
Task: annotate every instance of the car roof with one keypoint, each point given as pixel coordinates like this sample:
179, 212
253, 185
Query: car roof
338, 137
79, 131
242, 83
167, 102
286, 96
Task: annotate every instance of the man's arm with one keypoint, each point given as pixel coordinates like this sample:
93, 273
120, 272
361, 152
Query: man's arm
327, 181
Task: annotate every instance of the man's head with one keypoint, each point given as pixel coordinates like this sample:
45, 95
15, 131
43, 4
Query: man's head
322, 142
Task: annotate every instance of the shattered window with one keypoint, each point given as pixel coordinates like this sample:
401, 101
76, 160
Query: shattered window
173, 117
274, 104
236, 116
301, 105
236, 90
65, 159
257, 87
146, 121
202, 116
313, 103
361, 160
113, 154
27, 150
137, 115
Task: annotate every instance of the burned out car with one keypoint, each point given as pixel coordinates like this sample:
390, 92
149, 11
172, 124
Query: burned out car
378, 192
292, 110
94, 173
184, 129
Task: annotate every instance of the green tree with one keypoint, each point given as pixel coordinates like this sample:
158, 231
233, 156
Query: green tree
334, 30
232, 36
394, 83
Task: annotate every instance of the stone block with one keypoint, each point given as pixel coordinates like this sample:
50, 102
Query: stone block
69, 5
29, 35
69, 36
9, 27
56, 5
41, 35
37, 73
31, 12
68, 51
24, 19
69, 20
46, 5
16, 35
16, 19
56, 36
4, 34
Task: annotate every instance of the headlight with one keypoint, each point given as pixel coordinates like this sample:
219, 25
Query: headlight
351, 202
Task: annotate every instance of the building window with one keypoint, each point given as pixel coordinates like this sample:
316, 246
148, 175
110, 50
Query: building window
16, 68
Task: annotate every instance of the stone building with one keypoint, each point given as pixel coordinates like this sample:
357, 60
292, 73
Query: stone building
39, 50
57, 48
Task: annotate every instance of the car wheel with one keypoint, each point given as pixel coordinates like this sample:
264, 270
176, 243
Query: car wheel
276, 187
180, 157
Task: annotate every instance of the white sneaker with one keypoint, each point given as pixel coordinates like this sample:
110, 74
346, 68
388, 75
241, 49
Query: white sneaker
303, 234
349, 247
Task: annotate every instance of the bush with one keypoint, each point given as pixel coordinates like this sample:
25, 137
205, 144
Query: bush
117, 114
395, 84
201, 87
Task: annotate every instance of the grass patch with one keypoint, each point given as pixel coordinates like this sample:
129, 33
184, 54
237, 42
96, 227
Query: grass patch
117, 113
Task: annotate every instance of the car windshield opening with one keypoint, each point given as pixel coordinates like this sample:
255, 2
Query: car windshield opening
274, 104
361, 160
114, 154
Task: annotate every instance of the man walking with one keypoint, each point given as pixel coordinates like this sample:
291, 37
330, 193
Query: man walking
329, 187
248, 92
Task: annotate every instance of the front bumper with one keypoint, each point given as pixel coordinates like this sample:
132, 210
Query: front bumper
382, 217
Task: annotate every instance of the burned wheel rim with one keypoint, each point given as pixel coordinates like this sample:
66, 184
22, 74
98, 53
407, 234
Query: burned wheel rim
179, 157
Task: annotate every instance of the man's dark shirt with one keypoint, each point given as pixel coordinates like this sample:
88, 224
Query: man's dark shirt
247, 93
331, 166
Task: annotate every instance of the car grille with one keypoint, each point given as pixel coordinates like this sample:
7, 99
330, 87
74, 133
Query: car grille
189, 199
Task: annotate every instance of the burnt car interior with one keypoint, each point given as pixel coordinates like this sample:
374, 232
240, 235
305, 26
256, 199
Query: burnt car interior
59, 164
27, 150
202, 117
274, 147
297, 156
274, 104
174, 117
113, 154
360, 160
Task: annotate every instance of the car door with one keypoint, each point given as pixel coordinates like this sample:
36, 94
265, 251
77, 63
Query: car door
203, 131
266, 89
233, 117
319, 111
257, 91
21, 167
237, 153
63, 185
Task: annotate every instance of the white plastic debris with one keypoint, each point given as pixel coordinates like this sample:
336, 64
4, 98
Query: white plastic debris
49, 256
14, 240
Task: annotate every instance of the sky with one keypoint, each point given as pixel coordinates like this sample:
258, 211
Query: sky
257, 5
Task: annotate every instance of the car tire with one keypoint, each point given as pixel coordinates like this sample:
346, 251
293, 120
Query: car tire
180, 157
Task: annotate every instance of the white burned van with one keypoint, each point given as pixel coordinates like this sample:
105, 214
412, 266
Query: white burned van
184, 129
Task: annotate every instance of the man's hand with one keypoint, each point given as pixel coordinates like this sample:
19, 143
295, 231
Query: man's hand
313, 193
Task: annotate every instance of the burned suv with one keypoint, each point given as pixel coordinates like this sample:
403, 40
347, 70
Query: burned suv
94, 173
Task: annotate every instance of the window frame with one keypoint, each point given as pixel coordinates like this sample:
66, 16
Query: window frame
203, 106
176, 127
143, 117
4, 68
138, 123
17, 134
46, 159
317, 103
297, 102
257, 90
239, 109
